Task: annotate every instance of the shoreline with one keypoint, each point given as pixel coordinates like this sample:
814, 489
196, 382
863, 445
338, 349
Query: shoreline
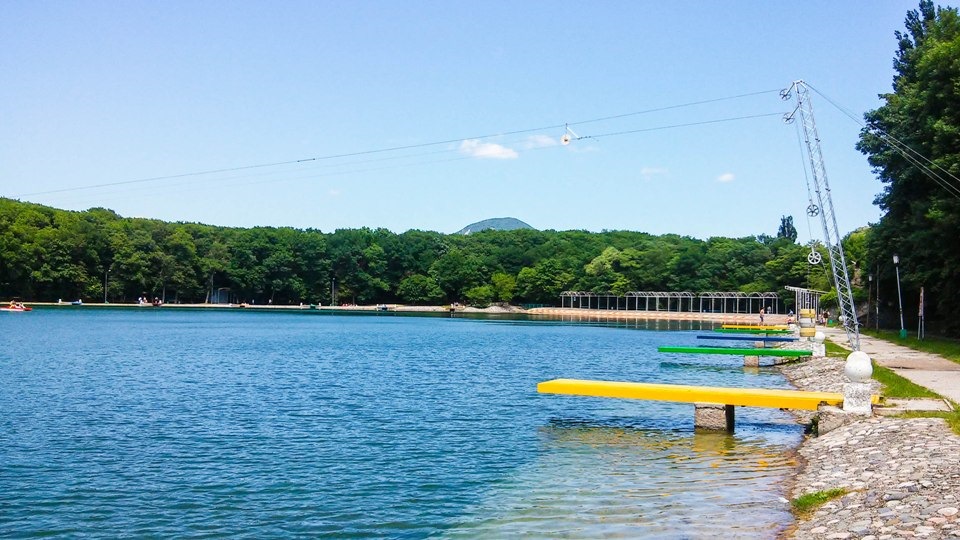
902, 475
567, 314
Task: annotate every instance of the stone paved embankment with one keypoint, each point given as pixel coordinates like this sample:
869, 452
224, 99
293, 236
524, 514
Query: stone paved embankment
902, 475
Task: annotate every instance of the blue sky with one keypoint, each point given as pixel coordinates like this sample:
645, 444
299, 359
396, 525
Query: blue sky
116, 93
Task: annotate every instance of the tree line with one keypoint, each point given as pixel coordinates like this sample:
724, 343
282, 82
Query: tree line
913, 143
48, 254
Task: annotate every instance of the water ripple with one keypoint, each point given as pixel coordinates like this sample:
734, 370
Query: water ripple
167, 423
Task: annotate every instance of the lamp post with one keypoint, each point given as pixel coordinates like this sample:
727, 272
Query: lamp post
877, 303
106, 281
896, 265
869, 294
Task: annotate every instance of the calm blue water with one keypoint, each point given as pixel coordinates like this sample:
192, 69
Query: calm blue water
182, 423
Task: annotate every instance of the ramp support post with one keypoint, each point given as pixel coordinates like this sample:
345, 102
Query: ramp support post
713, 416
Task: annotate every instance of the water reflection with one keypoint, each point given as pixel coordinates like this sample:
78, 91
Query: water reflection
629, 322
731, 367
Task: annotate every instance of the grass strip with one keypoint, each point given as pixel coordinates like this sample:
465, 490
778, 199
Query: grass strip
945, 347
895, 386
809, 502
835, 351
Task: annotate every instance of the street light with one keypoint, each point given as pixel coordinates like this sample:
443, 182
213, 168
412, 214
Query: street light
876, 305
896, 265
106, 281
869, 294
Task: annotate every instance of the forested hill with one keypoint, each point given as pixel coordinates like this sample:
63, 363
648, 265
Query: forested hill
47, 254
499, 224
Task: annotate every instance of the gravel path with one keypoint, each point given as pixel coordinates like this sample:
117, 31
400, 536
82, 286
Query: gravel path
902, 475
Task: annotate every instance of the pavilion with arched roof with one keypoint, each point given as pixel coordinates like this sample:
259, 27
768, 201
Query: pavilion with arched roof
676, 301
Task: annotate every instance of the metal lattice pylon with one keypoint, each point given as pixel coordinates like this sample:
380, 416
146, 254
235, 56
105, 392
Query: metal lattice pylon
831, 233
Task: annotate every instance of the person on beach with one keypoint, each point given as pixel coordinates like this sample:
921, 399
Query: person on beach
761, 315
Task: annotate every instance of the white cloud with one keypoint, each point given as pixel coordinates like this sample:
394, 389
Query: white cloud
726, 177
334, 192
477, 149
540, 141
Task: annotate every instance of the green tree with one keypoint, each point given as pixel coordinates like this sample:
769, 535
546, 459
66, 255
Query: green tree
179, 264
648, 267
787, 230
457, 271
479, 296
602, 274
790, 267
504, 286
312, 264
413, 252
921, 220
371, 283
136, 259
213, 264
358, 263
419, 289
543, 283
686, 268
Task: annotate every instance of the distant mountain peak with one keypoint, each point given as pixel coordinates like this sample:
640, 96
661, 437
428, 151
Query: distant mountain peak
500, 224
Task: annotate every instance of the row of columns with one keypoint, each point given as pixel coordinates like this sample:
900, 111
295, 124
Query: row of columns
608, 302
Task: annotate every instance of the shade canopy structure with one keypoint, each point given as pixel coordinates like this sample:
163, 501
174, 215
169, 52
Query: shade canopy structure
675, 301
806, 298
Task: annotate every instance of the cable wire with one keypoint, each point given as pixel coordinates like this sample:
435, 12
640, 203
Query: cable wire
333, 173
806, 178
705, 122
911, 155
329, 157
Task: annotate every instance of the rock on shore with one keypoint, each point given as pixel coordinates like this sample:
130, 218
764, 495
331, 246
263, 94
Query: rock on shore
902, 475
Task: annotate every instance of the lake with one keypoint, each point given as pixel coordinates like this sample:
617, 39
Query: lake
164, 422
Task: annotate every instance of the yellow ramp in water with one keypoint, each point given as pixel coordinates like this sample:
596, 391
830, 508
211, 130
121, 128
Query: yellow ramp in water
749, 397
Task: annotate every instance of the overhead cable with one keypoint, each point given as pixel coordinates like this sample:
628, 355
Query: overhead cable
419, 145
915, 158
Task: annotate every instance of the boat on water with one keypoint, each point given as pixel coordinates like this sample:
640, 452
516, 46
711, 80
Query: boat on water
16, 307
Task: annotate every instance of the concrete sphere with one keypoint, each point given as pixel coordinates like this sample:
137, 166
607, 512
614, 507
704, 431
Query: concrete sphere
858, 367
819, 337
